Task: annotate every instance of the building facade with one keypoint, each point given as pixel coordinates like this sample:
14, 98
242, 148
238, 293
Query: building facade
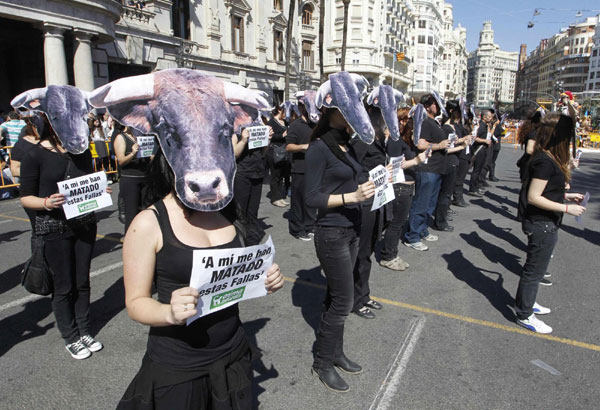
491, 71
453, 65
593, 83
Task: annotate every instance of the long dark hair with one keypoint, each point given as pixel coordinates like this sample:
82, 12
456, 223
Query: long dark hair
553, 137
529, 125
48, 134
322, 131
406, 133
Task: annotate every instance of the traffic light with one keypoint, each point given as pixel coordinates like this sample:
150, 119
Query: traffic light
399, 56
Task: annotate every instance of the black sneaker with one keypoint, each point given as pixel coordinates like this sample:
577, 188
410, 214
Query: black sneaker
475, 193
305, 237
78, 350
91, 344
365, 313
461, 203
546, 282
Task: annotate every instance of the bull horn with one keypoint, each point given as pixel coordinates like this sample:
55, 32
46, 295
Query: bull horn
26, 96
399, 96
372, 95
299, 94
235, 93
139, 87
322, 92
360, 80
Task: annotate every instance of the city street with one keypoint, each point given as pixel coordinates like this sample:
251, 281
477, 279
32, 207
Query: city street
445, 339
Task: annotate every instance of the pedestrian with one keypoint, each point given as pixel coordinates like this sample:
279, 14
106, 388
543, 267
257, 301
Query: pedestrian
332, 188
277, 159
526, 139
541, 209
481, 151
11, 129
464, 161
98, 138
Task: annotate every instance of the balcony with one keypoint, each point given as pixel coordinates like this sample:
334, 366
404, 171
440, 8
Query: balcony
137, 17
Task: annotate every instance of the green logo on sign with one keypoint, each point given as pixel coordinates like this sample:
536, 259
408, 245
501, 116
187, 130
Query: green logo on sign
226, 297
257, 144
87, 206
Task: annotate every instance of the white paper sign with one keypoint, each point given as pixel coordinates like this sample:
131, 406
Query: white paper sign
384, 191
451, 140
227, 276
146, 146
583, 203
398, 172
489, 136
84, 194
578, 154
258, 137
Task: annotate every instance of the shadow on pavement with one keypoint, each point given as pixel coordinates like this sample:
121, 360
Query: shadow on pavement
24, 325
501, 200
307, 298
10, 278
108, 244
501, 233
264, 373
493, 290
493, 253
592, 237
11, 236
108, 306
508, 189
501, 210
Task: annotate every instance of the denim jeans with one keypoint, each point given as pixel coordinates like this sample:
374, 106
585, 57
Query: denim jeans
541, 239
427, 188
400, 207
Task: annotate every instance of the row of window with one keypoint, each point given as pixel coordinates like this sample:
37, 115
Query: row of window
307, 11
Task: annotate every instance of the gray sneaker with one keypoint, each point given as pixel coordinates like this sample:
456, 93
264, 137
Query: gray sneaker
91, 344
419, 246
395, 264
78, 350
431, 238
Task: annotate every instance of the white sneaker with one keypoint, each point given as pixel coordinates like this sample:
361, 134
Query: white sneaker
540, 310
419, 246
91, 344
431, 238
78, 350
535, 325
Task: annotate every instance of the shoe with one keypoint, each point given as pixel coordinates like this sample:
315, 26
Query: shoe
311, 235
91, 344
540, 310
461, 203
534, 324
449, 218
430, 238
475, 193
446, 228
364, 312
331, 379
304, 238
279, 203
451, 212
547, 275
285, 202
546, 282
371, 304
394, 264
494, 179
346, 365
485, 184
481, 191
78, 350
419, 246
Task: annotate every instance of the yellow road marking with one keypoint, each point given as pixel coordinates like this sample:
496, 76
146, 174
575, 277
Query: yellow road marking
467, 319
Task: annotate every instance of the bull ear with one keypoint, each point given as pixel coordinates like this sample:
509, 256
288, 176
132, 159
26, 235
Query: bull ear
135, 115
373, 97
323, 97
34, 99
244, 116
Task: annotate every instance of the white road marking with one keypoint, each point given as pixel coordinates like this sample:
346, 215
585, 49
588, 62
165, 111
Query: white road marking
385, 395
546, 367
30, 298
6, 220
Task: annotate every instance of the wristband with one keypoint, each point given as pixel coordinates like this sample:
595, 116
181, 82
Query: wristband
45, 207
343, 200
566, 209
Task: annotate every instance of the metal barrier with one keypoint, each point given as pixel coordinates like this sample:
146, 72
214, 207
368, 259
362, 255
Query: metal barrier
3, 183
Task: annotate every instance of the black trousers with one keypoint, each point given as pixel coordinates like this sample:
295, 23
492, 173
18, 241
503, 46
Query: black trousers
280, 172
130, 189
400, 208
492, 170
337, 249
444, 197
461, 174
247, 192
302, 218
479, 159
370, 230
488, 163
69, 257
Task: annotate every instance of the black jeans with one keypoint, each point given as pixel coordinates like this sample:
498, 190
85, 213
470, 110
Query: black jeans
69, 257
444, 197
247, 192
279, 172
302, 218
461, 174
492, 173
337, 249
130, 189
370, 230
479, 159
541, 240
400, 209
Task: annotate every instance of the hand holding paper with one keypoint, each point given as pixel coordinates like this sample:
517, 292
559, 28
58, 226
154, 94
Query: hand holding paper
183, 305
578, 210
274, 280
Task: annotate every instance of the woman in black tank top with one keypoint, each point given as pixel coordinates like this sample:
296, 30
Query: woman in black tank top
207, 363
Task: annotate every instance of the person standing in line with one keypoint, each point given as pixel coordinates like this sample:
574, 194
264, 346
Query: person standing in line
483, 141
526, 138
302, 218
429, 177
332, 188
403, 191
541, 209
464, 162
496, 145
278, 170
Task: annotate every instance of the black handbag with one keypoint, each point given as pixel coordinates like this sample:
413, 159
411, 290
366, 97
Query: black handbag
279, 153
36, 274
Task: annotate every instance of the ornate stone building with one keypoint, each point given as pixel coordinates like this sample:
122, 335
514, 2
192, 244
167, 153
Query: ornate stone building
453, 66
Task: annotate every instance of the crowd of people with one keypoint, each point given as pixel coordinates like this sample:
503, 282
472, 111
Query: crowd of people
318, 157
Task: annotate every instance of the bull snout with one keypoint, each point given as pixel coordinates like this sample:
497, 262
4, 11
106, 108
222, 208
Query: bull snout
205, 187
314, 117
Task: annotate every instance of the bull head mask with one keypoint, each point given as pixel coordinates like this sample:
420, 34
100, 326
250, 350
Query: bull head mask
387, 99
287, 108
345, 92
193, 116
308, 99
67, 110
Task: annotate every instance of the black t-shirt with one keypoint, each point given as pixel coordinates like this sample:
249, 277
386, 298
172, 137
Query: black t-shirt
451, 159
482, 132
299, 133
544, 168
369, 156
278, 130
21, 148
251, 163
398, 148
330, 176
137, 166
433, 133
498, 134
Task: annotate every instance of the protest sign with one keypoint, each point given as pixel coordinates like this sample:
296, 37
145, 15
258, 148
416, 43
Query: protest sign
258, 137
583, 203
224, 277
578, 154
84, 194
384, 191
427, 151
146, 144
451, 140
398, 172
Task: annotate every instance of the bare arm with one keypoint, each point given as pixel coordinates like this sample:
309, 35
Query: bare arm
15, 168
120, 147
296, 147
530, 147
424, 144
535, 198
239, 143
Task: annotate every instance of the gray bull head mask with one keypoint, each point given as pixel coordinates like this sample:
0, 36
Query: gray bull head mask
67, 110
345, 92
387, 99
287, 108
417, 112
193, 115
308, 99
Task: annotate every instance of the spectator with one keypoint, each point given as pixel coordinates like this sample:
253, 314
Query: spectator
11, 129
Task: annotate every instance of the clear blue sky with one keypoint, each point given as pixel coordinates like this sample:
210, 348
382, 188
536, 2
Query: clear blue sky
510, 17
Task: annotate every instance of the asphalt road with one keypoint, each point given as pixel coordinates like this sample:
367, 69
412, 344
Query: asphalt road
446, 338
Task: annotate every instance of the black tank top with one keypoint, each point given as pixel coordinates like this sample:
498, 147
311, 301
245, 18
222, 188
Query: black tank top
137, 166
207, 338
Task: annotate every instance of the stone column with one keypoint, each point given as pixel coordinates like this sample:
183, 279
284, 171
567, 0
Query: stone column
55, 63
83, 67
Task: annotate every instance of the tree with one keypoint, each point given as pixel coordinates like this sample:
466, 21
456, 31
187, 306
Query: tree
288, 49
345, 32
321, 33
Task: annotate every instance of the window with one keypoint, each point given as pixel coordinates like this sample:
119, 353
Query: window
278, 54
421, 39
278, 5
430, 40
237, 34
307, 15
308, 62
422, 24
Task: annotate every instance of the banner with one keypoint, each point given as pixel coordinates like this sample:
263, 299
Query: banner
146, 144
258, 137
384, 191
224, 277
84, 194
398, 172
